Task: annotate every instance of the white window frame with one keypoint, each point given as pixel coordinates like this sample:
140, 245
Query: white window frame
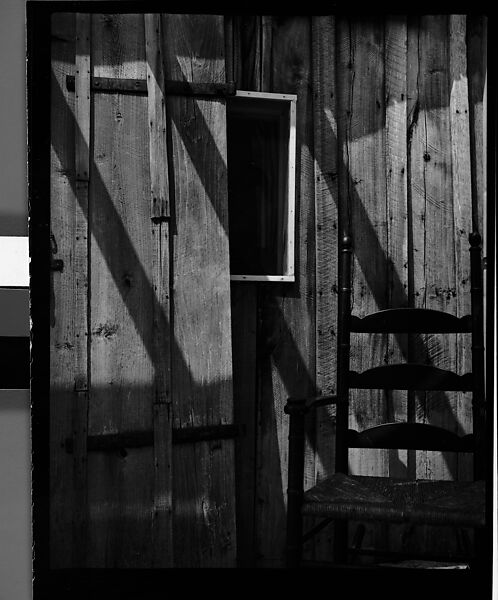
288, 275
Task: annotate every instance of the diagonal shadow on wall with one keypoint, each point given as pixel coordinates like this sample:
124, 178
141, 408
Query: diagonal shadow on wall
371, 244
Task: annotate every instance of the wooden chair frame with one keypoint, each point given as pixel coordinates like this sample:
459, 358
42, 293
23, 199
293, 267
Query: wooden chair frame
410, 436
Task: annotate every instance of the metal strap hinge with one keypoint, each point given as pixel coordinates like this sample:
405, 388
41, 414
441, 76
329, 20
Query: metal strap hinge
171, 88
139, 439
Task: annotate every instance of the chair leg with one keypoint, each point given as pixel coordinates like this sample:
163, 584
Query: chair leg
359, 534
294, 545
295, 490
464, 543
341, 542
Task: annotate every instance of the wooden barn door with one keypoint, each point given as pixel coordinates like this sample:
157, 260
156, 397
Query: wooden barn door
142, 449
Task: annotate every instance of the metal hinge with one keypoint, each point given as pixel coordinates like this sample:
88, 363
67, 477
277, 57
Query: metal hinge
139, 439
171, 88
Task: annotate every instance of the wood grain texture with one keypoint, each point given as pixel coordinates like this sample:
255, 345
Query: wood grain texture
462, 212
266, 53
286, 349
476, 39
363, 182
82, 116
434, 276
244, 340
433, 224
162, 526
326, 234
159, 179
367, 197
162, 418
65, 322
204, 492
121, 493
201, 260
247, 52
395, 57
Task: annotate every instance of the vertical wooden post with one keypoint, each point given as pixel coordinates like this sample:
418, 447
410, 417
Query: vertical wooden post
163, 500
244, 60
81, 351
294, 543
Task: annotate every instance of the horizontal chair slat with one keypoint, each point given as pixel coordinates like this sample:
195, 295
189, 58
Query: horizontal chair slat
410, 376
411, 320
410, 436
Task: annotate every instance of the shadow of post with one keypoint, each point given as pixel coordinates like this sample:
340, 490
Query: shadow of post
370, 246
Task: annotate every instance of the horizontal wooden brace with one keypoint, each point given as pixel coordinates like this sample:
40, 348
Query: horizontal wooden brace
171, 88
141, 439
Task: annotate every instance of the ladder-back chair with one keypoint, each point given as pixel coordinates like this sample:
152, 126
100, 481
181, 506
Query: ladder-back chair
344, 497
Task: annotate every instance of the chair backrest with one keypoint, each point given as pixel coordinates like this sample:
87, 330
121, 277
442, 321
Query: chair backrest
410, 376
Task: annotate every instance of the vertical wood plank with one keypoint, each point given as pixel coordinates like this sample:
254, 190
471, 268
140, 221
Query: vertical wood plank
121, 485
363, 182
229, 23
477, 81
433, 224
248, 51
163, 480
326, 231
395, 57
476, 60
367, 196
204, 493
434, 283
266, 53
159, 180
64, 321
462, 210
81, 383
413, 112
286, 348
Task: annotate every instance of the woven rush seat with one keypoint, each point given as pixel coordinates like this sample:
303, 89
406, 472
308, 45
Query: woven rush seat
398, 500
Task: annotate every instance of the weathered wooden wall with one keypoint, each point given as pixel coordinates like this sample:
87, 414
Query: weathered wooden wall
390, 122
140, 338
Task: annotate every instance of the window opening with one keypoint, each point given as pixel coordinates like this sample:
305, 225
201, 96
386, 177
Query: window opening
261, 140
